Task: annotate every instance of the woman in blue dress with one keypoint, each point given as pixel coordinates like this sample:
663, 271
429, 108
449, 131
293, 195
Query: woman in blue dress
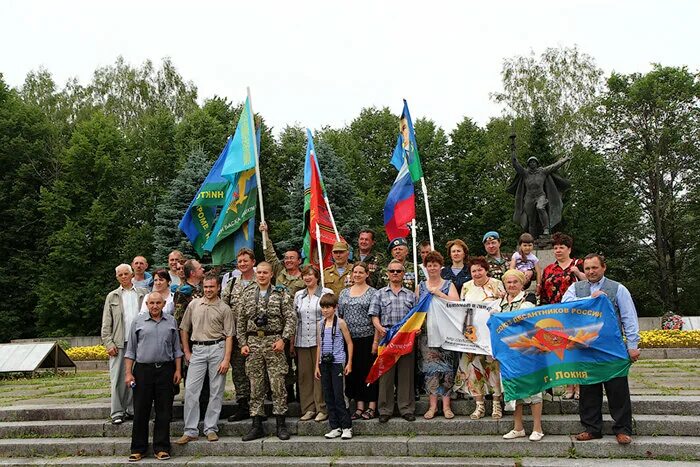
437, 364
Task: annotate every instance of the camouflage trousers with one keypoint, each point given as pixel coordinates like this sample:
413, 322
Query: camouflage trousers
263, 361
238, 373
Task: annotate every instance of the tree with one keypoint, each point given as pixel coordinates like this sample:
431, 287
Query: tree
559, 86
650, 131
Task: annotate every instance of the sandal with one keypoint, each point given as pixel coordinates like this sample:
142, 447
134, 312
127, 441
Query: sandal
135, 457
479, 412
497, 412
162, 456
369, 414
449, 414
357, 415
430, 414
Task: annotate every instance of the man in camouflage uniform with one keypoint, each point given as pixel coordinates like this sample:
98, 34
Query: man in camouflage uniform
267, 323
399, 251
371, 258
231, 296
498, 262
338, 276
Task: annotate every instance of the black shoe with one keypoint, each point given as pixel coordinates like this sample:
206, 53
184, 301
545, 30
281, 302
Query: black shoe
128, 416
384, 418
256, 431
242, 412
282, 432
409, 417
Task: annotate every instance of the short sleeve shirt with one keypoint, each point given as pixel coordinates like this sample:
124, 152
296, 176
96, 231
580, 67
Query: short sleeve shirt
208, 321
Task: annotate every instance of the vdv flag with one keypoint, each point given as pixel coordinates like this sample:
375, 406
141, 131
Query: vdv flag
400, 205
198, 221
576, 342
407, 147
399, 340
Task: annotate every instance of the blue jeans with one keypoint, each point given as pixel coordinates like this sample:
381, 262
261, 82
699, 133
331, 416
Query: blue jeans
332, 383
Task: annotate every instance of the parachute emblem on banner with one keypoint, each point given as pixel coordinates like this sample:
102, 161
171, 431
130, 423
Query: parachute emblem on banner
549, 335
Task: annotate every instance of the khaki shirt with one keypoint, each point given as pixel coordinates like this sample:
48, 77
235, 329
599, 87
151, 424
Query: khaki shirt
205, 321
280, 274
336, 281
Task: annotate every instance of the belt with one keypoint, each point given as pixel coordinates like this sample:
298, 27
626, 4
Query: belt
207, 342
155, 365
262, 333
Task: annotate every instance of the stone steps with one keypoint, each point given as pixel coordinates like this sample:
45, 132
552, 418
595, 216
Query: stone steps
650, 405
643, 447
645, 425
353, 461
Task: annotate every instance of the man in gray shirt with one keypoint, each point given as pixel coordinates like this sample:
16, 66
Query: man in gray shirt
154, 344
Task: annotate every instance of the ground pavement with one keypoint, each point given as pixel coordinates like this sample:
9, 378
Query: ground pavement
63, 420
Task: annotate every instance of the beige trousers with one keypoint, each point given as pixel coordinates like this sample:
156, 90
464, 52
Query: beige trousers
310, 393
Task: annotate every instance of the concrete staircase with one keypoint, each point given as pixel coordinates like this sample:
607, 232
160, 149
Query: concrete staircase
667, 432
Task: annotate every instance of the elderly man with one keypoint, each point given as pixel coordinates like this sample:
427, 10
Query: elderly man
498, 262
388, 306
232, 297
617, 389
338, 276
267, 322
366, 242
174, 259
399, 251
121, 307
154, 344
287, 271
209, 326
141, 279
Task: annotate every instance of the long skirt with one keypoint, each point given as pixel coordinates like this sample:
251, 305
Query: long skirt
362, 360
478, 375
437, 366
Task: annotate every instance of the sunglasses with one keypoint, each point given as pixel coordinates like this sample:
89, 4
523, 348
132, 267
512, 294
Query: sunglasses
395, 271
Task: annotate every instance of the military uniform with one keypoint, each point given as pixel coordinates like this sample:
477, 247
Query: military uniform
374, 261
498, 266
232, 297
280, 274
336, 281
277, 307
184, 294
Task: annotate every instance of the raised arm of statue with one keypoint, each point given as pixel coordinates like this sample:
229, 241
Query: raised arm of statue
553, 167
514, 159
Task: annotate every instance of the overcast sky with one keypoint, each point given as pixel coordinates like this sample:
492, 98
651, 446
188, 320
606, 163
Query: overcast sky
320, 62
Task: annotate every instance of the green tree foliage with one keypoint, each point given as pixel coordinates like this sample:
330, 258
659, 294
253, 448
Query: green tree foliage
650, 132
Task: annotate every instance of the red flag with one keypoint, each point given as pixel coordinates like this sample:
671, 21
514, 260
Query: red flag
320, 216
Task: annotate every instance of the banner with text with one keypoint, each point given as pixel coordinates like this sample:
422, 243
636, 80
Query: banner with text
460, 326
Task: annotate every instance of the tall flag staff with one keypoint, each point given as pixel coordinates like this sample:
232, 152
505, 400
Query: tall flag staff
257, 174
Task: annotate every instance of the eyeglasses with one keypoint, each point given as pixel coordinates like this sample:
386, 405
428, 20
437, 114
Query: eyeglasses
395, 271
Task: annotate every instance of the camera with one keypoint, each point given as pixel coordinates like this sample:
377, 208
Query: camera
260, 320
327, 358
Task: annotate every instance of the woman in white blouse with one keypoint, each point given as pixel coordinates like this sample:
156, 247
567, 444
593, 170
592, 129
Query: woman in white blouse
306, 304
161, 284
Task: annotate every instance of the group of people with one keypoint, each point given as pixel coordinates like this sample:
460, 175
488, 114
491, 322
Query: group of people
265, 320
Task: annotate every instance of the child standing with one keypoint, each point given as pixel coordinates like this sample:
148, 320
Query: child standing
332, 364
526, 262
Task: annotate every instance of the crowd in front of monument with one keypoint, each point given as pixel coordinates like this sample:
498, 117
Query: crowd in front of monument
286, 338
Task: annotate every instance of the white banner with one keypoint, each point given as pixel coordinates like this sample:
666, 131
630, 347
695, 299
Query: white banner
460, 326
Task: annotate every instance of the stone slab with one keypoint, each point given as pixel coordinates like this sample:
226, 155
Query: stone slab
318, 446
478, 446
683, 447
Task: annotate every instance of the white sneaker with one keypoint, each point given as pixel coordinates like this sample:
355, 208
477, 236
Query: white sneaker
512, 434
347, 433
334, 433
536, 436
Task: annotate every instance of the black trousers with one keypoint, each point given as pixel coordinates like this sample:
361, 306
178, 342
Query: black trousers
590, 406
154, 387
332, 384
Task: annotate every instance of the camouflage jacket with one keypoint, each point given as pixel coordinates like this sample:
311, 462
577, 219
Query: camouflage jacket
231, 295
277, 306
184, 294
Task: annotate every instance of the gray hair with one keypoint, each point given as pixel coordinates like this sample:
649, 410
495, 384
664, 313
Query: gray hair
122, 266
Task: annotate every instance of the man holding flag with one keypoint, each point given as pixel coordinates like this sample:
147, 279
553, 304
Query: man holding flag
388, 307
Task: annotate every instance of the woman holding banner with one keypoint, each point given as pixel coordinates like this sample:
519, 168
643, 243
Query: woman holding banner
479, 375
514, 300
437, 364
353, 307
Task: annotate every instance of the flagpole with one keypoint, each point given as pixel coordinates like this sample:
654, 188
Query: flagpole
330, 213
427, 212
257, 171
320, 255
415, 252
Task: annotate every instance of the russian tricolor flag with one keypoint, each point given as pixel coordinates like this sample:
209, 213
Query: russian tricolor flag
400, 206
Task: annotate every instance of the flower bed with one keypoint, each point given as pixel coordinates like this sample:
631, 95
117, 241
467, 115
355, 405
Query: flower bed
669, 338
95, 352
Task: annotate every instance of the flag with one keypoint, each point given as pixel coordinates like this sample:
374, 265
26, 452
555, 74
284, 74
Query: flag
399, 340
576, 342
198, 221
237, 215
460, 326
406, 146
316, 210
400, 206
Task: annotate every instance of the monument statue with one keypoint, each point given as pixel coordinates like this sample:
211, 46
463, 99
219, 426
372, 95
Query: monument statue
538, 193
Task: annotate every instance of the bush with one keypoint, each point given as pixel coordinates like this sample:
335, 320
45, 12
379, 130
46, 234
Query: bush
95, 352
669, 338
